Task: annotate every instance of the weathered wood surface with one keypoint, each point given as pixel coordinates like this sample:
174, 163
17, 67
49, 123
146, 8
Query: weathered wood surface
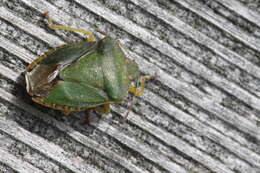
201, 115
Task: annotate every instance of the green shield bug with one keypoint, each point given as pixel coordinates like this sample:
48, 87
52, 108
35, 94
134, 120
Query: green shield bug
83, 75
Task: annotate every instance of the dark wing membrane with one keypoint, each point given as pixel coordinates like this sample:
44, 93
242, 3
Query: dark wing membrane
68, 53
39, 79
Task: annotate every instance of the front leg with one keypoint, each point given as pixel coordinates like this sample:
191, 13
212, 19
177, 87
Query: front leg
51, 25
138, 91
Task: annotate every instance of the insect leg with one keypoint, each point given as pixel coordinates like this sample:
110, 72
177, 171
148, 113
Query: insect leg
53, 26
139, 91
105, 110
87, 120
66, 110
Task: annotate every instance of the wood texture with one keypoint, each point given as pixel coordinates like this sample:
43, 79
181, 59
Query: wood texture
201, 115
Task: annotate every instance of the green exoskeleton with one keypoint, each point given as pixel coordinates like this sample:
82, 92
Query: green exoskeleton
83, 75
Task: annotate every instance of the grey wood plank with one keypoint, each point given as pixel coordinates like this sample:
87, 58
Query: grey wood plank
168, 140
62, 158
180, 146
237, 7
254, 158
182, 123
40, 144
172, 52
224, 52
157, 43
17, 164
84, 140
221, 23
11, 44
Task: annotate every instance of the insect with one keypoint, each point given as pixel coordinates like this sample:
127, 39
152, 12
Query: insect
83, 75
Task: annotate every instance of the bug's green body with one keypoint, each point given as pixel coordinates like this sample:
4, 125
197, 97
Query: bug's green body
82, 75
